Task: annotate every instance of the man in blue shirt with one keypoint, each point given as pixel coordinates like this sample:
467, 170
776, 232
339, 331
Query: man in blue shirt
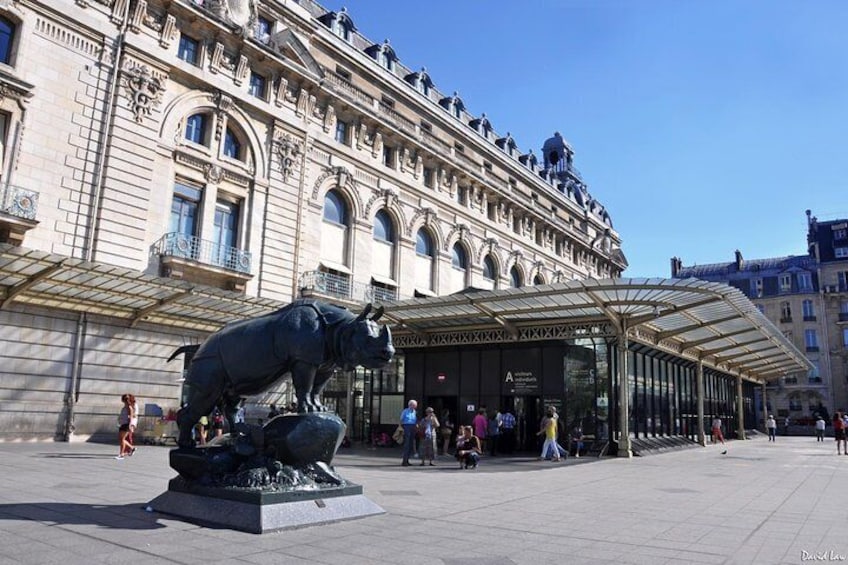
508, 430
409, 421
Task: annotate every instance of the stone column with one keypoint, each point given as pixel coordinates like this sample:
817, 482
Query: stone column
740, 409
699, 391
623, 397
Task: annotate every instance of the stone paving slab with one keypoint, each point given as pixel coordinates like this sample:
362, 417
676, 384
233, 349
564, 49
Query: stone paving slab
782, 502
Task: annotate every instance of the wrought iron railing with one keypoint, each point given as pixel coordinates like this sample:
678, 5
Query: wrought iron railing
19, 202
343, 288
207, 252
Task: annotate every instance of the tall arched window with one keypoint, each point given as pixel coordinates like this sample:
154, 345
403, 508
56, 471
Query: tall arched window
459, 268
490, 272
383, 252
425, 260
515, 277
335, 229
383, 227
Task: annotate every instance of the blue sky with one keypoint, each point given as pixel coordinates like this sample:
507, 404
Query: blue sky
703, 127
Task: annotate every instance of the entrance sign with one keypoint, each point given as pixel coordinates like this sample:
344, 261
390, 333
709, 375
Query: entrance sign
521, 382
469, 408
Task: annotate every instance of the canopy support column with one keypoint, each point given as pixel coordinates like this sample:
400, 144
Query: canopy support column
624, 447
765, 408
699, 391
740, 409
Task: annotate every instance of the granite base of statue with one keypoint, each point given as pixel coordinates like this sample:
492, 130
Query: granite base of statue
279, 475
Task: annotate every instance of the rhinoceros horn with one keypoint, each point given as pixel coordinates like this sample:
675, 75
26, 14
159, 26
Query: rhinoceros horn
364, 312
377, 313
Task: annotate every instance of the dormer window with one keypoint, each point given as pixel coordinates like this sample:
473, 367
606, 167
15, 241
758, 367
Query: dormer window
383, 54
482, 125
339, 23
420, 81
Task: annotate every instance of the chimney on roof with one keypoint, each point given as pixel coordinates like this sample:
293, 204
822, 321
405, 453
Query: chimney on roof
676, 265
739, 260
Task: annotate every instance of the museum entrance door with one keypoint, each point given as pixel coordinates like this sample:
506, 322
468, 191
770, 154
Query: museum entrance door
527, 411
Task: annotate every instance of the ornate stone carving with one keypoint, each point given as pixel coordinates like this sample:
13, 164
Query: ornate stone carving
241, 70
216, 57
388, 197
304, 101
144, 91
138, 15
213, 173
362, 136
419, 166
288, 150
225, 105
377, 145
329, 119
343, 179
169, 31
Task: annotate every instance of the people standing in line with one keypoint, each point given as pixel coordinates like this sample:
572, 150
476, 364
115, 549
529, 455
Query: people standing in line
493, 431
577, 439
124, 418
820, 425
409, 421
428, 426
480, 423
839, 433
771, 427
717, 435
446, 431
507, 439
549, 430
468, 448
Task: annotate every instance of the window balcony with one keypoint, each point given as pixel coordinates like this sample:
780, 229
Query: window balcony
18, 209
340, 288
191, 258
786, 319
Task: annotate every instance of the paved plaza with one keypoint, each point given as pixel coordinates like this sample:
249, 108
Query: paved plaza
783, 502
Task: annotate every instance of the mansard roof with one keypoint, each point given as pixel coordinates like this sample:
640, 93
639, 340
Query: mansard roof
757, 267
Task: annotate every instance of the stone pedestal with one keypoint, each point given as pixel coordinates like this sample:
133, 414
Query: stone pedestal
260, 512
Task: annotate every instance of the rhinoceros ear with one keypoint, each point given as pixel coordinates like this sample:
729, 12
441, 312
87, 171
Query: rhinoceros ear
364, 312
377, 313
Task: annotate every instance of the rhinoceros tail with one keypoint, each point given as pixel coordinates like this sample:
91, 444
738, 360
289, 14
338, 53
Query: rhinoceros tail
183, 349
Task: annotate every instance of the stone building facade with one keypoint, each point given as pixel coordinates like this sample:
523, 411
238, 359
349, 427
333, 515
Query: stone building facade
806, 297
249, 153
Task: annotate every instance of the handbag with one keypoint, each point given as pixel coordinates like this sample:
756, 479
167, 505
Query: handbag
398, 435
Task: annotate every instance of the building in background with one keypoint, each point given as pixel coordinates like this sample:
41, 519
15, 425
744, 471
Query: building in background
806, 297
169, 166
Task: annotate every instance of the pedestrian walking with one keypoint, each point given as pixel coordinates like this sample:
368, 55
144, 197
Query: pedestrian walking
717, 435
124, 418
771, 427
480, 424
549, 430
494, 433
409, 423
820, 425
839, 433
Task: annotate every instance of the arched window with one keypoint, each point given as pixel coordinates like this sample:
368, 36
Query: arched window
335, 209
425, 263
7, 36
489, 270
232, 146
424, 243
383, 228
537, 280
195, 130
459, 259
515, 278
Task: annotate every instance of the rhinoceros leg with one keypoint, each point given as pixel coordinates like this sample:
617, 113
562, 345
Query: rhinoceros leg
206, 385
321, 380
303, 379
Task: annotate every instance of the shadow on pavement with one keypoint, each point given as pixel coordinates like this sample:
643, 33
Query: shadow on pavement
119, 516
77, 455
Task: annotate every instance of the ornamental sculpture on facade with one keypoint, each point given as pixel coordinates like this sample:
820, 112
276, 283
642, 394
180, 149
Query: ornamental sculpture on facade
144, 91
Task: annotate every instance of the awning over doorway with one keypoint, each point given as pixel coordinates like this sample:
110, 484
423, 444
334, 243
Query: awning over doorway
693, 319
48, 280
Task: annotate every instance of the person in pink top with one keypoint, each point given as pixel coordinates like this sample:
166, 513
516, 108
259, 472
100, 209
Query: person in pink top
480, 423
